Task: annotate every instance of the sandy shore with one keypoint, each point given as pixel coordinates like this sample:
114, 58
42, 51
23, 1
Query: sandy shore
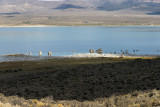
74, 25
28, 25
23, 57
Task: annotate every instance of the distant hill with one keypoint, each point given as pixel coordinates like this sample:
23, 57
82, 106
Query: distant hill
79, 12
114, 5
141, 5
105, 5
68, 6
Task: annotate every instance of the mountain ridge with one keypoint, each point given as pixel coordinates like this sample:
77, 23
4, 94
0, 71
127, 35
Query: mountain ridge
107, 5
79, 12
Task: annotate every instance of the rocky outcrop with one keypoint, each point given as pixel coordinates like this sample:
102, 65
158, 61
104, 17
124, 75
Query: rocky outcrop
99, 51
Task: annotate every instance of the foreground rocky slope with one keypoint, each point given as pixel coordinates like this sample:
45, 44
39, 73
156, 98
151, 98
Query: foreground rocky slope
91, 81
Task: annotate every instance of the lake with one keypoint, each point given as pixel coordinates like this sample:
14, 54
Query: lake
70, 40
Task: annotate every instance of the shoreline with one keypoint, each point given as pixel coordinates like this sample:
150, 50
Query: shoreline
23, 57
81, 55
75, 25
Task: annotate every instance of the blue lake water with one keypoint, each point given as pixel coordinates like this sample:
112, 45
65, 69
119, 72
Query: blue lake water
64, 40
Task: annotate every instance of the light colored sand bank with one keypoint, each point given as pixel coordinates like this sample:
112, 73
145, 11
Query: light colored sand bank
79, 55
70, 25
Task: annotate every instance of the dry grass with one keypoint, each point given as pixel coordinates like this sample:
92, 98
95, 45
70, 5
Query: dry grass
135, 99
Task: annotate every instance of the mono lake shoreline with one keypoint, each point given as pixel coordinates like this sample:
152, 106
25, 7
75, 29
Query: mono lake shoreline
23, 57
78, 25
